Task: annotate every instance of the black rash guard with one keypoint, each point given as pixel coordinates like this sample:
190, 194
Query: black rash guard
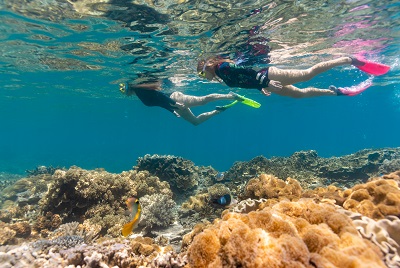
235, 76
151, 97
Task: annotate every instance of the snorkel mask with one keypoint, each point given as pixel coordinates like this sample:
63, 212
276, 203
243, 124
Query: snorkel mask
123, 87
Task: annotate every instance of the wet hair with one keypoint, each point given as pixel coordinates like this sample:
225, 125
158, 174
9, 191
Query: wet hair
210, 62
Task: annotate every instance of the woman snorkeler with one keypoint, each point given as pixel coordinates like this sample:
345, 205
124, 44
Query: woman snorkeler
279, 81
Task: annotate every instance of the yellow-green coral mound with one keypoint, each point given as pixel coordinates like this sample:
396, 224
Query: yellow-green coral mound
288, 234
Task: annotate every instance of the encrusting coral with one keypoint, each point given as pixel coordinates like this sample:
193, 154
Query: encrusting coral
288, 234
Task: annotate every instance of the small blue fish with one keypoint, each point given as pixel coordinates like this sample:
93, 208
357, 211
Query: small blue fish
224, 200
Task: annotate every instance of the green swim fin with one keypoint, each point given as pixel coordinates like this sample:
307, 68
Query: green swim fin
247, 101
223, 108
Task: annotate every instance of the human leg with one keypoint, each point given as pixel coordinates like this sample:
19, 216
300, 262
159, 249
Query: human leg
289, 77
192, 101
187, 114
295, 92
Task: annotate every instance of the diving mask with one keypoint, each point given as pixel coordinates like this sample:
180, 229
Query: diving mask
123, 88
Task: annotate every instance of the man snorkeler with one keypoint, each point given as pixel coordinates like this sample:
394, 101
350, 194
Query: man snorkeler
279, 81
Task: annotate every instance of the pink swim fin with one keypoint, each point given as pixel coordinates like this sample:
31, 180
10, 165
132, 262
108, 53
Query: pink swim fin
370, 67
355, 90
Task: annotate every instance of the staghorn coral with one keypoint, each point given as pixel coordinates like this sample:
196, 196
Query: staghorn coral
375, 199
288, 234
268, 186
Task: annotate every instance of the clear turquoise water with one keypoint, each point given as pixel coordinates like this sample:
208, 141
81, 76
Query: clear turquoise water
60, 106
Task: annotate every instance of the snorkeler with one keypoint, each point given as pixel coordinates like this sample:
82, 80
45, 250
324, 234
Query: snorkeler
279, 81
179, 104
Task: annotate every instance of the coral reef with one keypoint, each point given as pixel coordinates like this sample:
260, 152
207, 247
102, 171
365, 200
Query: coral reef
384, 233
43, 170
75, 195
269, 186
307, 166
274, 220
375, 199
180, 173
288, 234
158, 211
200, 207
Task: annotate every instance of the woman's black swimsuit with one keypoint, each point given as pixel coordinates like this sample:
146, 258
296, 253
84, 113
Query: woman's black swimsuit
151, 97
235, 76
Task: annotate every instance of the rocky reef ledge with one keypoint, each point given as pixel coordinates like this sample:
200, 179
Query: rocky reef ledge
299, 211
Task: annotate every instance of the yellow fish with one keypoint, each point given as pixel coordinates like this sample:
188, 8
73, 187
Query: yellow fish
135, 212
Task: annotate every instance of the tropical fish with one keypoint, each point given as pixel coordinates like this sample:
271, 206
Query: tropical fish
224, 200
135, 212
220, 176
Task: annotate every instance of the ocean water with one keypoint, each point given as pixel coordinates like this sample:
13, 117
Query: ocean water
61, 62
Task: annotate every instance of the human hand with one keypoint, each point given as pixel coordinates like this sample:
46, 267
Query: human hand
275, 85
178, 105
265, 92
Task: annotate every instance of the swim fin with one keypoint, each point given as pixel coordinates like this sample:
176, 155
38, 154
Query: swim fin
355, 90
223, 108
370, 67
246, 101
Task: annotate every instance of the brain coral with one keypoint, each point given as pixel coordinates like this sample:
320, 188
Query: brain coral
288, 234
269, 186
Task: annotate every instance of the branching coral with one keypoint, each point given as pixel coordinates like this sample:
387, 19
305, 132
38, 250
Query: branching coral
290, 234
